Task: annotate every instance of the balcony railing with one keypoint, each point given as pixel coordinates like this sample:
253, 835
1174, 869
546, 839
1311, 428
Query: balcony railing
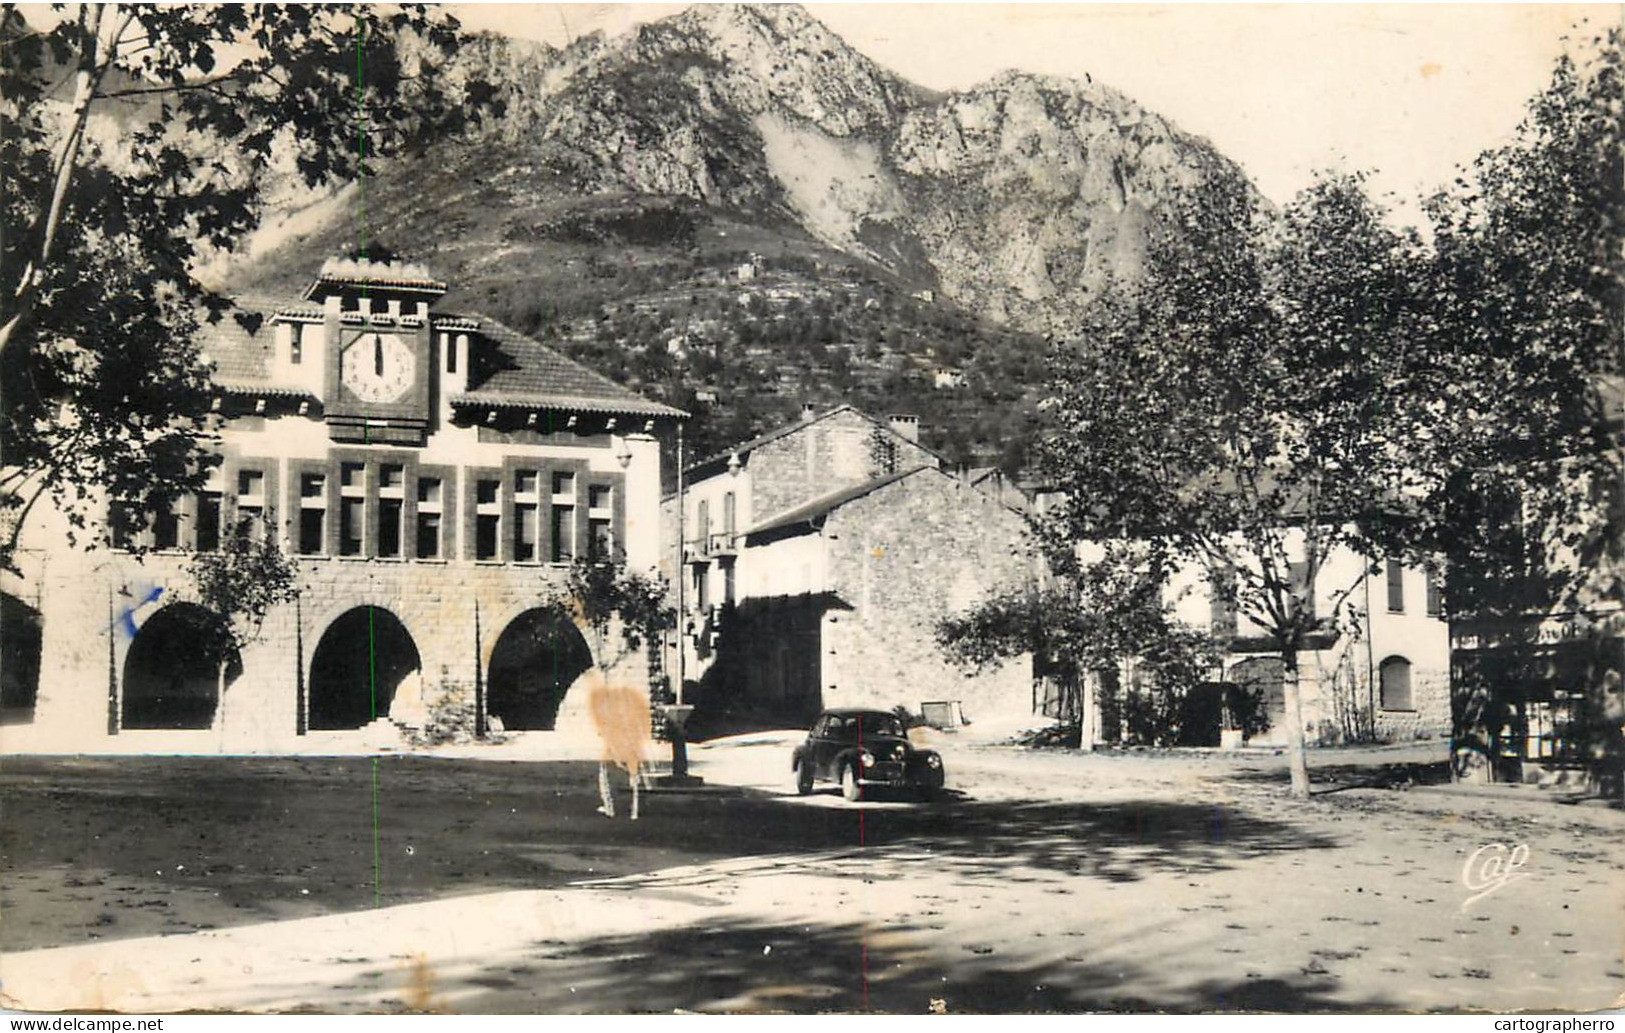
708, 545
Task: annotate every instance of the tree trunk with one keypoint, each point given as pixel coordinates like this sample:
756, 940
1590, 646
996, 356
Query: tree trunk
220, 698
1297, 754
1089, 704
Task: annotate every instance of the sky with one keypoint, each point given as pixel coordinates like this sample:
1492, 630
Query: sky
1406, 92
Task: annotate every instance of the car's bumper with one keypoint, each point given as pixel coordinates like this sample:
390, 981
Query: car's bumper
896, 777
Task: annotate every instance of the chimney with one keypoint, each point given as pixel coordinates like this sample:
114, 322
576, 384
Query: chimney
906, 427
808, 410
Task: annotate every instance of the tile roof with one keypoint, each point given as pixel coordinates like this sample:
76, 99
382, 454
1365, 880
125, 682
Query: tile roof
522, 371
238, 355
512, 370
359, 271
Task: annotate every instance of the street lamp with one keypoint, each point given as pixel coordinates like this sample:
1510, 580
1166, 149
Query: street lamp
677, 715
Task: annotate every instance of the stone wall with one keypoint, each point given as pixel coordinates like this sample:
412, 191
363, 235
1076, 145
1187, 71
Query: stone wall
94, 605
837, 451
901, 559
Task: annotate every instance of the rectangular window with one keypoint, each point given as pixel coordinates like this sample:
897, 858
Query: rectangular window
312, 514
526, 515
524, 532
390, 512
600, 539
702, 527
251, 503
295, 345
600, 522
728, 519
1396, 587
1395, 675
351, 514
352, 508
1435, 596
487, 519
428, 535
428, 543
121, 524
391, 509
166, 530
564, 534
208, 521
702, 584
485, 536
312, 531
728, 585
562, 527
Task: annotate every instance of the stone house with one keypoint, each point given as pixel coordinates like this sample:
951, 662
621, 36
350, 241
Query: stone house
433, 475
1380, 670
817, 560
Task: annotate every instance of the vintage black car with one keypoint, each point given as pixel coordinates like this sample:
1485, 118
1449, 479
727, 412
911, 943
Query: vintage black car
864, 749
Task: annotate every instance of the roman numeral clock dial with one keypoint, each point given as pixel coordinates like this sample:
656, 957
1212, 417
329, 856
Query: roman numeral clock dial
377, 368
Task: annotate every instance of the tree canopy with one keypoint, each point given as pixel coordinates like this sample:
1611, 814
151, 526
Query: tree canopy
1314, 379
1526, 319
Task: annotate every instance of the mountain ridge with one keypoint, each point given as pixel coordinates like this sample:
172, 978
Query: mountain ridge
631, 173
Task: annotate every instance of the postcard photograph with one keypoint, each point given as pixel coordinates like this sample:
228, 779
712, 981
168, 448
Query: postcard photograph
758, 508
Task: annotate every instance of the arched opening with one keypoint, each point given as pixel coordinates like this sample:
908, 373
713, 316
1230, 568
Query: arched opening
535, 661
20, 628
1395, 677
362, 658
170, 679
1263, 681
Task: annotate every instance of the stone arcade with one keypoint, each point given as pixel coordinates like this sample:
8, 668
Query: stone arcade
432, 473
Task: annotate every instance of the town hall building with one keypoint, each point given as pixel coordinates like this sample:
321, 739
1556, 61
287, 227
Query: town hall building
432, 474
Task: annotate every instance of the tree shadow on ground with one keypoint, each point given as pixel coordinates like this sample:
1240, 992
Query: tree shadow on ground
1331, 778
752, 966
1122, 842
226, 841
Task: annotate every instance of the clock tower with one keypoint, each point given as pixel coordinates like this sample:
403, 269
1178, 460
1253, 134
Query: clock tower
378, 342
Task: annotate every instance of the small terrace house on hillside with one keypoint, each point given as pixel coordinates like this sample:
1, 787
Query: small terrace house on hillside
817, 560
432, 473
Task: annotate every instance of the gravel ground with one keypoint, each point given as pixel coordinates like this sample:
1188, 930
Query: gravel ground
1047, 882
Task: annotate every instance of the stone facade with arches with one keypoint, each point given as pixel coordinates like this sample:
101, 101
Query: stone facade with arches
431, 476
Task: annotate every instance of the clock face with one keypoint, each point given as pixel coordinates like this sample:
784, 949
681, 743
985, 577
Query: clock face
377, 367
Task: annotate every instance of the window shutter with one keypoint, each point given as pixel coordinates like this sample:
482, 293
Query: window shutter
1396, 587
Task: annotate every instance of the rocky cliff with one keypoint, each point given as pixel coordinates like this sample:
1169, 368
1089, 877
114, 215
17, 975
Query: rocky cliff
1020, 198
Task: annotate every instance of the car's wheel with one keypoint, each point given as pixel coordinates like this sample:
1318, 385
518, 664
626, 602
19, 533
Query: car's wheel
804, 779
849, 784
